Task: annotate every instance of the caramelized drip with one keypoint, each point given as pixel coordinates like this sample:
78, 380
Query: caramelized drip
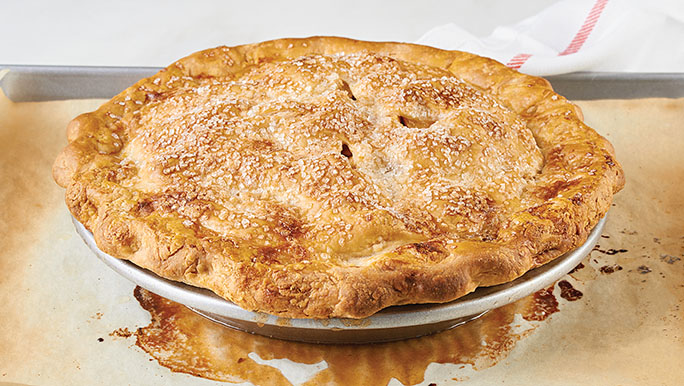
577, 268
610, 268
542, 305
185, 342
568, 292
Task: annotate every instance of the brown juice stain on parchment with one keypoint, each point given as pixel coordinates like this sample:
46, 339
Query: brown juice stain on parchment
185, 342
608, 269
121, 333
568, 292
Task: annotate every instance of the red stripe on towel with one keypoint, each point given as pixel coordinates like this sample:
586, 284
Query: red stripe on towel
517, 61
588, 26
577, 42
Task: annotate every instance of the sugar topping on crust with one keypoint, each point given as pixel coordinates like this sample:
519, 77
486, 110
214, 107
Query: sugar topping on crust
336, 182
355, 150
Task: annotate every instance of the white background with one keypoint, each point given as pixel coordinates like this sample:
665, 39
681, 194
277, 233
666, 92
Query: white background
155, 33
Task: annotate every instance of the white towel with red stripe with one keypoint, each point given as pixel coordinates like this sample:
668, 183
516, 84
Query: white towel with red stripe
581, 35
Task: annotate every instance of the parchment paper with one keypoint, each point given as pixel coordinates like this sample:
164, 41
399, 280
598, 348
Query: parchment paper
60, 304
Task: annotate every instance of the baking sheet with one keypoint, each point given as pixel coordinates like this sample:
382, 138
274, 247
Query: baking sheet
42, 83
68, 319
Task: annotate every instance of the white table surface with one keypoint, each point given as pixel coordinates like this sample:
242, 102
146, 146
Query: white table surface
155, 33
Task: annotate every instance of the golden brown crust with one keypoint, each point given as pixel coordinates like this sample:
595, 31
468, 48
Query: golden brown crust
328, 177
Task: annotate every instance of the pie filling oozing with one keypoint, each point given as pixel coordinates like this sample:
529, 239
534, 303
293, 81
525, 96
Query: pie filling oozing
340, 181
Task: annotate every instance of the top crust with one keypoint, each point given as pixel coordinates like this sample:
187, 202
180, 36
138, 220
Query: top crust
328, 177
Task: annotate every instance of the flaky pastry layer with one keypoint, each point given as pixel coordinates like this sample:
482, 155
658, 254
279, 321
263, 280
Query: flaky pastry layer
327, 177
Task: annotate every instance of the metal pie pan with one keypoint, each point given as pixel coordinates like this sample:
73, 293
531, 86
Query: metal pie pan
393, 323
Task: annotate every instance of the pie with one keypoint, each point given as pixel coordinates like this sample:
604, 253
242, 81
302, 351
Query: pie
328, 177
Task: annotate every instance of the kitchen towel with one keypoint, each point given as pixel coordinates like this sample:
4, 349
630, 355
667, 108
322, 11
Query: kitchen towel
581, 35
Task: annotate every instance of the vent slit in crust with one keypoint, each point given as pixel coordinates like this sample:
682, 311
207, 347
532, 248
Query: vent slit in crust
345, 151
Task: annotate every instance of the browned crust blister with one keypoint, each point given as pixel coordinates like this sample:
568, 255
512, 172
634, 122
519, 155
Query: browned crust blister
571, 192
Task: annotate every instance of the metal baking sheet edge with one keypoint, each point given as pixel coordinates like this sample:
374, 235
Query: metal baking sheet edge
28, 83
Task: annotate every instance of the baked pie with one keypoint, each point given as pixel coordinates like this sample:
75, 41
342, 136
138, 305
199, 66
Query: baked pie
328, 177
